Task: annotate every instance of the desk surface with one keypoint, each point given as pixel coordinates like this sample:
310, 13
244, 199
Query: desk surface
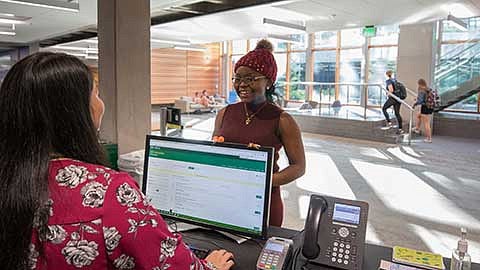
246, 254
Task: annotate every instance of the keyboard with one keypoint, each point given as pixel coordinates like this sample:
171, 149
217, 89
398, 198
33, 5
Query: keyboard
201, 253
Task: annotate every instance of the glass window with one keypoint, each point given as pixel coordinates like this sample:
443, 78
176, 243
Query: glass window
326, 39
6, 63
324, 72
352, 38
278, 46
253, 43
470, 104
381, 60
450, 32
239, 47
297, 74
351, 71
281, 59
302, 44
386, 35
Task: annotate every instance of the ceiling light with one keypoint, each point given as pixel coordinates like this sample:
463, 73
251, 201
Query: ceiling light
7, 33
458, 10
66, 6
174, 42
72, 48
457, 23
93, 41
284, 24
285, 38
184, 9
74, 54
10, 18
190, 48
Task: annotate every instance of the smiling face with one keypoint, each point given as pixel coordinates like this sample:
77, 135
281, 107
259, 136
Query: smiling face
250, 85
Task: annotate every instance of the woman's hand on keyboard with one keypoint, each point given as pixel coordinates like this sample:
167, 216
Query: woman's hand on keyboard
222, 259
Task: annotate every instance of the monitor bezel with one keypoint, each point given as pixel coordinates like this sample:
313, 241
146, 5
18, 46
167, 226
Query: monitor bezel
268, 190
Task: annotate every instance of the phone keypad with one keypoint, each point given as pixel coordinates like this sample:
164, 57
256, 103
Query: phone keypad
343, 251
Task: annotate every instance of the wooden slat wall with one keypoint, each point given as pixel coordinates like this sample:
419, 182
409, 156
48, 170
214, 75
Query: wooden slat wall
177, 73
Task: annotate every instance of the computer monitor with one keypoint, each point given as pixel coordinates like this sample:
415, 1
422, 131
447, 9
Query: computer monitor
216, 185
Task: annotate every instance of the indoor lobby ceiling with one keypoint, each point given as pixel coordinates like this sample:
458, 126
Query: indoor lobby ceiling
316, 15
193, 23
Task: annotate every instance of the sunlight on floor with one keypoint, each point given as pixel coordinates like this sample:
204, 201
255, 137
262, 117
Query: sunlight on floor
444, 243
206, 125
410, 151
372, 152
303, 203
441, 180
470, 182
394, 186
404, 157
371, 236
324, 177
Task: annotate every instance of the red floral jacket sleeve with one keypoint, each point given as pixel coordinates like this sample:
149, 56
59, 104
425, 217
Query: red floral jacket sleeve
99, 219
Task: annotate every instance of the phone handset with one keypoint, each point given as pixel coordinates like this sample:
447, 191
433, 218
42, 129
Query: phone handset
318, 205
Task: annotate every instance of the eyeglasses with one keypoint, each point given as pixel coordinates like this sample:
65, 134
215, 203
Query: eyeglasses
246, 80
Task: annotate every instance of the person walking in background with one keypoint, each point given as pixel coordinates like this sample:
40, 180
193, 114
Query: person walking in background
426, 100
391, 101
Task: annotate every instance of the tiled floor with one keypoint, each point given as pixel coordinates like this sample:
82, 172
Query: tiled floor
419, 196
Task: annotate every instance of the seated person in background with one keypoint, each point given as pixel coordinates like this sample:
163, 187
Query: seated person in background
61, 207
197, 99
209, 100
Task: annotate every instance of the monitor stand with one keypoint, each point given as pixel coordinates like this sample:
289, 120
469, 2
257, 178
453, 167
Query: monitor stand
183, 227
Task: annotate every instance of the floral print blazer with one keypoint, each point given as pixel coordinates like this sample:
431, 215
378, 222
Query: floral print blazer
99, 219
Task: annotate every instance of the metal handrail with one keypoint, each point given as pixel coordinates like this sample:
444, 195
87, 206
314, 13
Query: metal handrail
411, 113
365, 96
457, 54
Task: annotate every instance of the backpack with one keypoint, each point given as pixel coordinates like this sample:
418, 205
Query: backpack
399, 90
433, 100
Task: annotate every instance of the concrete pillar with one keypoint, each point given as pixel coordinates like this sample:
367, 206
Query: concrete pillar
124, 72
415, 54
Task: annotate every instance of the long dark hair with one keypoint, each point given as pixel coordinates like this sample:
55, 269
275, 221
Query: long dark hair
44, 110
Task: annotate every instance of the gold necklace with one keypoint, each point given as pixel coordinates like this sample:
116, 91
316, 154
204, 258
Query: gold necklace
249, 117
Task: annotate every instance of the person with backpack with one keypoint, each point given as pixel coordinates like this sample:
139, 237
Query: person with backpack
394, 88
426, 98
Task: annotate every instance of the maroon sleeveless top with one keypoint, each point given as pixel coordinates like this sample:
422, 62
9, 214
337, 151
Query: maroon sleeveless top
262, 130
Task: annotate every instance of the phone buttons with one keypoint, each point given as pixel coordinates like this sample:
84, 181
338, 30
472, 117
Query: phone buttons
345, 262
334, 254
339, 260
335, 244
342, 245
347, 251
335, 249
340, 255
334, 259
346, 257
343, 232
347, 246
341, 250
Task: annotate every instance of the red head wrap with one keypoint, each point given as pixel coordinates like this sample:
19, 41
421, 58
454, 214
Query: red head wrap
261, 60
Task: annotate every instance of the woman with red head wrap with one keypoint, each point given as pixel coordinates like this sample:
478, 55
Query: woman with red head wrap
256, 119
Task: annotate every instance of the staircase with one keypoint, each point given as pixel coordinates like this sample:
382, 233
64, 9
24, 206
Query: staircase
457, 76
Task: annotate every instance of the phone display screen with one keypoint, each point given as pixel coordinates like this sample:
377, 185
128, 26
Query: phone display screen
274, 247
346, 213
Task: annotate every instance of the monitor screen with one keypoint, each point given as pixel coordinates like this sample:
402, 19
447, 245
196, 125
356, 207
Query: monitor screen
221, 186
346, 213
